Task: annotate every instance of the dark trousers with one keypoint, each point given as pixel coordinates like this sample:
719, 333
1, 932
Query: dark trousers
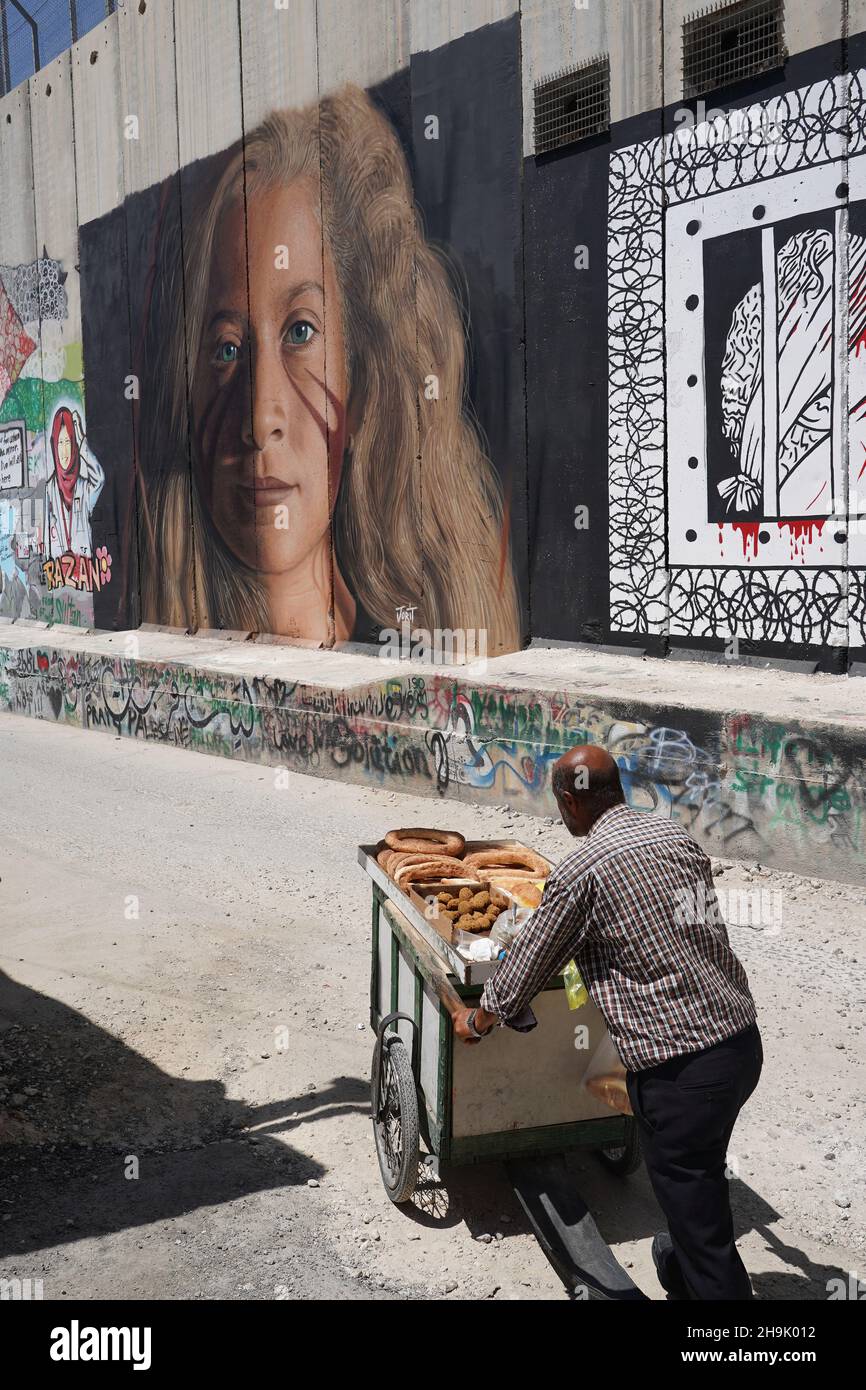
686, 1109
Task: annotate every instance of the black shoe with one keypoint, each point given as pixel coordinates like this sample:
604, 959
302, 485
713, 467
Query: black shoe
667, 1267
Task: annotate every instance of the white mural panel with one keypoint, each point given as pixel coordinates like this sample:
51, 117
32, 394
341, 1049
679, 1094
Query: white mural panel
737, 316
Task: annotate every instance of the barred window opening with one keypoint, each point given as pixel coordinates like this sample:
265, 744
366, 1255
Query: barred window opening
572, 105
728, 44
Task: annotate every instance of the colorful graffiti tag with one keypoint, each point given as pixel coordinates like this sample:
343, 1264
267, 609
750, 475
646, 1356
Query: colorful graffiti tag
742, 786
50, 478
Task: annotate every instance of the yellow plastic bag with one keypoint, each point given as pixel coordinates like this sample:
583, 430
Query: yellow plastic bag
575, 989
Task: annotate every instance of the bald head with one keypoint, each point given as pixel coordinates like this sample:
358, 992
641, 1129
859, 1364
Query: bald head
585, 783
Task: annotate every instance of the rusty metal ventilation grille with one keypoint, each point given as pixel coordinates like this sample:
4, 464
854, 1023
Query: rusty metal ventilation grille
572, 105
723, 46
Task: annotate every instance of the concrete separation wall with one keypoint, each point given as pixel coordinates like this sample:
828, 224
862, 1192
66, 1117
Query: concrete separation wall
592, 368
779, 787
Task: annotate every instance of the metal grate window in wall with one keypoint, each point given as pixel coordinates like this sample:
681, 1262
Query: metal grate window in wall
572, 105
729, 43
32, 32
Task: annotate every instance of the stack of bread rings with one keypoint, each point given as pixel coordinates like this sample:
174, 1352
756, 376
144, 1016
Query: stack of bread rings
422, 855
419, 855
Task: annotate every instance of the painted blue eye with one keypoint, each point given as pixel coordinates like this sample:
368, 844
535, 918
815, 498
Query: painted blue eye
227, 353
300, 333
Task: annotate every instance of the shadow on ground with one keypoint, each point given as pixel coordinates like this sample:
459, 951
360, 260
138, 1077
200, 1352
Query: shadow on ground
94, 1138
624, 1209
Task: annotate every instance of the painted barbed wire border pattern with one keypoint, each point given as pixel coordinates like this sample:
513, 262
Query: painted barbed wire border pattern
37, 289
636, 403
773, 605
856, 606
812, 125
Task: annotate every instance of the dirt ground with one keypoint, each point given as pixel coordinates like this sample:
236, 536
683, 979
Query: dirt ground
165, 914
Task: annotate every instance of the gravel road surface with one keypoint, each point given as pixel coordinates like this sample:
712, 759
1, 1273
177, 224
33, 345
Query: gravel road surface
169, 920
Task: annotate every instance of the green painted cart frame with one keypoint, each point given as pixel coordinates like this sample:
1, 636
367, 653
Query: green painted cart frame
512, 1096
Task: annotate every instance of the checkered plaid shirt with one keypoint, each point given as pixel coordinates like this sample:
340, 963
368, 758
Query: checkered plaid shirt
635, 906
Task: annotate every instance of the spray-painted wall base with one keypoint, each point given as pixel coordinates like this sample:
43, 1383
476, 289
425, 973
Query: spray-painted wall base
746, 786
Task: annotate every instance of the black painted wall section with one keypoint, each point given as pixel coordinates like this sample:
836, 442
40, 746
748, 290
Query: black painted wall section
468, 184
110, 405
566, 392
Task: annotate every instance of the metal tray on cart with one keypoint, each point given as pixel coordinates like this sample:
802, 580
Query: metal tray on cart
467, 972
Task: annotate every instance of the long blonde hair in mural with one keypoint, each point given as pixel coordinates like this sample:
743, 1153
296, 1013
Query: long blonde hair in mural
418, 518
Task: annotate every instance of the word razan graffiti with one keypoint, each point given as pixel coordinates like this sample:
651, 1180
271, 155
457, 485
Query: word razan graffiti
78, 571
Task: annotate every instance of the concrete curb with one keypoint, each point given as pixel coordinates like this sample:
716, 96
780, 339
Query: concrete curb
721, 751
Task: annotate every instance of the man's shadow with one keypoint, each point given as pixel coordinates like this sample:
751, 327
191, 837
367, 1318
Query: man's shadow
623, 1209
94, 1138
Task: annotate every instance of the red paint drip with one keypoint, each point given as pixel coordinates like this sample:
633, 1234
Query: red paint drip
749, 530
802, 533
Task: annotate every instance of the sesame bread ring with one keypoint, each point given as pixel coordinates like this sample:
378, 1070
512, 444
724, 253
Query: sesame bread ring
396, 858
401, 862
419, 840
426, 871
508, 859
383, 856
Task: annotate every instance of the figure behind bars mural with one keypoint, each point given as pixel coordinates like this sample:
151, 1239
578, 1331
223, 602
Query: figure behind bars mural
337, 475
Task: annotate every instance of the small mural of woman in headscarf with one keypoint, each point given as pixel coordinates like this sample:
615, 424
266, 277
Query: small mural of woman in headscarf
71, 490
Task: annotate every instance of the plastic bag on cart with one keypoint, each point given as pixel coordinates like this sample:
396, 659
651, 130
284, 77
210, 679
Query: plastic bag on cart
604, 1078
473, 947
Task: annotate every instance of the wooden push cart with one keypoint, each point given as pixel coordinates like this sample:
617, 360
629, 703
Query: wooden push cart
513, 1096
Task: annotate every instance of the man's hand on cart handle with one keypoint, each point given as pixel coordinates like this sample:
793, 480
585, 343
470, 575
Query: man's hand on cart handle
463, 1020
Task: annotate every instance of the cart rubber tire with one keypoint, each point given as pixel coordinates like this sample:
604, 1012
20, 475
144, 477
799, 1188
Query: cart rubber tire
626, 1158
394, 1069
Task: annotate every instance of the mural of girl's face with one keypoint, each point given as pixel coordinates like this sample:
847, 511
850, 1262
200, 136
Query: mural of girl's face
269, 430
64, 448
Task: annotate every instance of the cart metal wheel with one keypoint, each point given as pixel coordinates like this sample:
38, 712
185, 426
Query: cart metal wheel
395, 1117
624, 1158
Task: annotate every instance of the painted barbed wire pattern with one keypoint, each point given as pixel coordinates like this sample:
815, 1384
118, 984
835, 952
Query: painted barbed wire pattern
37, 289
810, 125
856, 606
770, 605
638, 600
